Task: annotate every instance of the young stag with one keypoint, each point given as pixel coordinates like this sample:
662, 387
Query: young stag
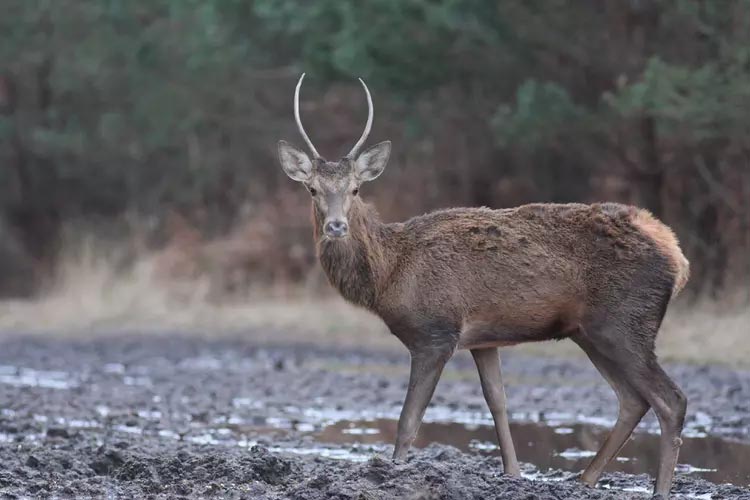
601, 275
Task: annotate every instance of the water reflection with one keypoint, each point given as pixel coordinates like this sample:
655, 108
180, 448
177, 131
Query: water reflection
713, 459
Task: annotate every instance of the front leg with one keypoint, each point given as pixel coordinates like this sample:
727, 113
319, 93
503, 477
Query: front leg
488, 365
426, 367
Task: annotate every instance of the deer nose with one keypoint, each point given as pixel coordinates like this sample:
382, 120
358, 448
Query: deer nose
336, 228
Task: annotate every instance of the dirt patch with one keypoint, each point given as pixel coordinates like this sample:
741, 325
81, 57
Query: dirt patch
169, 416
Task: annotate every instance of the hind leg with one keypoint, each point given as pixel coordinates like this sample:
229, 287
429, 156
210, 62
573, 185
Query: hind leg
632, 409
669, 404
488, 365
631, 356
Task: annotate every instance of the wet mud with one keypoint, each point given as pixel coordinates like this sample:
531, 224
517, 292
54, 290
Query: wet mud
567, 448
179, 417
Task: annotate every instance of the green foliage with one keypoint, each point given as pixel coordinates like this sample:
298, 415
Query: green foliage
149, 105
542, 113
410, 46
704, 102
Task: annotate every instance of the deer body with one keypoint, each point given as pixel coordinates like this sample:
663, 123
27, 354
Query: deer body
490, 278
478, 279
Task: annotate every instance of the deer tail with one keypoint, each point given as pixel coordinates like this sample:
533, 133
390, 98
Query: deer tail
667, 243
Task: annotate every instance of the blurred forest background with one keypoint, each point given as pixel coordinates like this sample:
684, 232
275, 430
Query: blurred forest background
136, 131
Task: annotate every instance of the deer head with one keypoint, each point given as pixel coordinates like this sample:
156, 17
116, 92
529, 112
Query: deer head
334, 185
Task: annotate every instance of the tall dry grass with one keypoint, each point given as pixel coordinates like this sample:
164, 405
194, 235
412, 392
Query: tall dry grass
99, 290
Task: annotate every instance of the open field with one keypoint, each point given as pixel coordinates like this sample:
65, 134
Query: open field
168, 416
700, 332
167, 330
120, 384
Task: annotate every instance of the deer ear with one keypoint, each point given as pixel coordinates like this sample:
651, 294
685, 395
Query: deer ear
296, 163
371, 163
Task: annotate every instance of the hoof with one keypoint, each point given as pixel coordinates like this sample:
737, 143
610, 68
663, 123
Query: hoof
514, 472
591, 483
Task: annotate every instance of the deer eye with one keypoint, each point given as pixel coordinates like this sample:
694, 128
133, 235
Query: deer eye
355, 192
313, 191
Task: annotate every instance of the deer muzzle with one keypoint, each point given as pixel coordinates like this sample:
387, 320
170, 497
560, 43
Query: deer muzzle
336, 228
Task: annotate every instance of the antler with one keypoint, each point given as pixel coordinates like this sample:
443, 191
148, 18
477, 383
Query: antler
299, 121
368, 126
360, 142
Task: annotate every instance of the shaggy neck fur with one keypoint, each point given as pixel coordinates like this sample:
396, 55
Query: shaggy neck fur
359, 264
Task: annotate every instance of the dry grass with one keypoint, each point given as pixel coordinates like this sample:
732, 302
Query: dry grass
706, 332
92, 297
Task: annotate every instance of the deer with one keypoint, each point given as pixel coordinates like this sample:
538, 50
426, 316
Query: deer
478, 279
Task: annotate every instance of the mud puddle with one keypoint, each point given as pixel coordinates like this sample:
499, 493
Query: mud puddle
174, 416
549, 444
565, 448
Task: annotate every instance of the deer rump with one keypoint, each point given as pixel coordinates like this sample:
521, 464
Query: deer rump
537, 272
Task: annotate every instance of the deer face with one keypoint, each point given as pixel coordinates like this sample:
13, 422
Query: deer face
333, 185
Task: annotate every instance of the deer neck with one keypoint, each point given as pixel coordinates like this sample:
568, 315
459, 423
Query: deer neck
357, 265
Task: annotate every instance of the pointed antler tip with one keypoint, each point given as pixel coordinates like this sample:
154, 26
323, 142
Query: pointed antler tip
299, 120
368, 126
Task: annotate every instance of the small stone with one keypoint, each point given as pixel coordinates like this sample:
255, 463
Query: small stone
59, 432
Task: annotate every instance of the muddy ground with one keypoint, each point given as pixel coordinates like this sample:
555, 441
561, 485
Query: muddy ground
170, 416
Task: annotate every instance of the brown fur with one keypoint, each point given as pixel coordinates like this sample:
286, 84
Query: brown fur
499, 277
